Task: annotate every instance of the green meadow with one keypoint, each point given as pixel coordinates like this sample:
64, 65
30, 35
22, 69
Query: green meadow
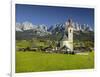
39, 61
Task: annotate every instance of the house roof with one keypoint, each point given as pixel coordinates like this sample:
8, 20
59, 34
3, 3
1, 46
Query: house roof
64, 47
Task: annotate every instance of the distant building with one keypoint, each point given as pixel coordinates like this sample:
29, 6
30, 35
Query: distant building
67, 39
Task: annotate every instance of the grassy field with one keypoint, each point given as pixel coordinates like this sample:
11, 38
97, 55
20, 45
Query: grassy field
37, 61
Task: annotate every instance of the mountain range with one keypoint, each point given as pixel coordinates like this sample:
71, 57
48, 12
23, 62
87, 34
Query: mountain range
29, 26
28, 30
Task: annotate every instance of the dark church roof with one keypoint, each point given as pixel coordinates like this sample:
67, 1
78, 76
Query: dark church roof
64, 37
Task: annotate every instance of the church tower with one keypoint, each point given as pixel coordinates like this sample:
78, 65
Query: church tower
70, 30
70, 34
67, 39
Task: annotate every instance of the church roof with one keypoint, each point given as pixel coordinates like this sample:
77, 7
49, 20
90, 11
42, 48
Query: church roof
64, 37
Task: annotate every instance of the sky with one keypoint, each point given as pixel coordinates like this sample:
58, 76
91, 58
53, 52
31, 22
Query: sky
49, 15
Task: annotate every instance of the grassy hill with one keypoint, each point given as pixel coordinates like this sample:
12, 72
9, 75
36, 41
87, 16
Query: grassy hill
38, 61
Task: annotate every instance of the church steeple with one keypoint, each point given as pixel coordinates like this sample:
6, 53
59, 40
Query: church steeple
70, 23
68, 41
70, 30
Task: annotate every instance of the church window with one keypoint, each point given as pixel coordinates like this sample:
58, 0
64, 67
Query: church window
70, 30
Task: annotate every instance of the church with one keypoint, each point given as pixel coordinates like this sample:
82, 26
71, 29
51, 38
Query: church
67, 38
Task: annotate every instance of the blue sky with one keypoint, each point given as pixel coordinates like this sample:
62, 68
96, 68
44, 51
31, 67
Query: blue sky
50, 15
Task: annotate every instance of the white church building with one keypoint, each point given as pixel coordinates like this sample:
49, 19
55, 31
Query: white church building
67, 39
